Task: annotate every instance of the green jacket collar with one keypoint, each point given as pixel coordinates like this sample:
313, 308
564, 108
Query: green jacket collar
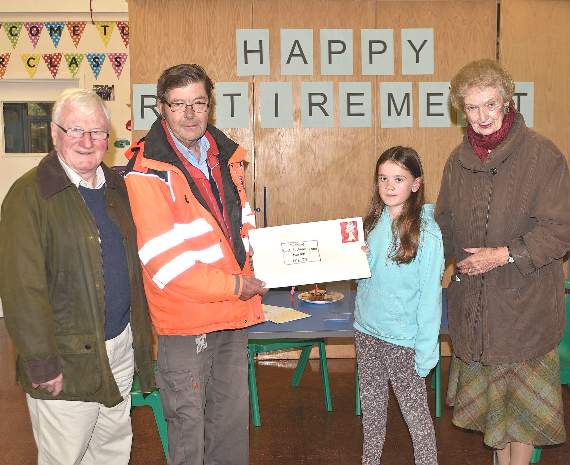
52, 179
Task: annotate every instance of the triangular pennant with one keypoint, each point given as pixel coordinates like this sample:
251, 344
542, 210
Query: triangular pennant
34, 31
4, 59
73, 62
75, 29
55, 28
117, 60
96, 61
13, 32
123, 27
53, 61
31, 61
105, 29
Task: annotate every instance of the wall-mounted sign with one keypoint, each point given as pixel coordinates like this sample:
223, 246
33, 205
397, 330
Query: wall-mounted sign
144, 106
336, 52
326, 104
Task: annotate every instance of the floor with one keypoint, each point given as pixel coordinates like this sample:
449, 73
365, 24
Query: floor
296, 429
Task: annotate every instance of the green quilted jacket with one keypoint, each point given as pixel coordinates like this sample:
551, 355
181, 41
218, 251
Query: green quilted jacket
52, 287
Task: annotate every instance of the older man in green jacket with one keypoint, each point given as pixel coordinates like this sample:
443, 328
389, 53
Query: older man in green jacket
72, 293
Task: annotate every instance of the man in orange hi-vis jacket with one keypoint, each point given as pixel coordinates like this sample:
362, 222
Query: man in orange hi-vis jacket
186, 187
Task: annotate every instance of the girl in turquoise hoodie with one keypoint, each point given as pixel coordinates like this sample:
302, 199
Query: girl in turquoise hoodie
398, 309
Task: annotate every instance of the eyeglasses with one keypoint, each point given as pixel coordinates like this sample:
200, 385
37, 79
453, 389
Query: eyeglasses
490, 107
77, 133
179, 107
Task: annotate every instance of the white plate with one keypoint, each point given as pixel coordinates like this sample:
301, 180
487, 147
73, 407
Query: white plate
330, 297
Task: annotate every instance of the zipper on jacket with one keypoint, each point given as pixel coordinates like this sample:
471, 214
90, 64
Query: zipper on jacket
493, 172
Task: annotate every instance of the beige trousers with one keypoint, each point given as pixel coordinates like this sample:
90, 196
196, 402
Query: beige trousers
88, 433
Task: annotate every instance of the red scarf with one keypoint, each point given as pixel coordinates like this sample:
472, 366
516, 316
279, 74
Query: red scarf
482, 145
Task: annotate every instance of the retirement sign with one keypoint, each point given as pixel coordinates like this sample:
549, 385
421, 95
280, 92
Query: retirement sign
326, 104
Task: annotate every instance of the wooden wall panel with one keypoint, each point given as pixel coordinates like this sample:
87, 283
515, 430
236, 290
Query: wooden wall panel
166, 33
309, 173
315, 174
462, 33
533, 36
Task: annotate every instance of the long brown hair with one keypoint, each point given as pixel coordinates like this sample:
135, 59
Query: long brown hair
406, 227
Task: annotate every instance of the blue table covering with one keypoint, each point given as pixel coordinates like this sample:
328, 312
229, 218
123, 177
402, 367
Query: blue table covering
327, 320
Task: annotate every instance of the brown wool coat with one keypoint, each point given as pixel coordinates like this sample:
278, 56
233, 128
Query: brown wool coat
520, 198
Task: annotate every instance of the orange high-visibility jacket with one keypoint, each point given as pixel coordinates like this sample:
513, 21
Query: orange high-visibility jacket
189, 265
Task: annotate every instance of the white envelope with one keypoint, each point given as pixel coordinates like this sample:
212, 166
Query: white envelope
306, 253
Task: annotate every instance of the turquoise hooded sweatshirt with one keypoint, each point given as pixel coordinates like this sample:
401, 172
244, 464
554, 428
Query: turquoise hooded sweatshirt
401, 304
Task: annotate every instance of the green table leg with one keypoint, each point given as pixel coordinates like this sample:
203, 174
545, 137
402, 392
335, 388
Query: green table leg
253, 398
535, 455
325, 377
301, 364
437, 381
152, 400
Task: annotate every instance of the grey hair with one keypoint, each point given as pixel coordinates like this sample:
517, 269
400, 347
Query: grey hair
85, 99
480, 73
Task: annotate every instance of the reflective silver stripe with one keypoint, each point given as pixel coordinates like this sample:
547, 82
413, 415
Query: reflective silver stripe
178, 234
245, 241
171, 187
185, 261
247, 216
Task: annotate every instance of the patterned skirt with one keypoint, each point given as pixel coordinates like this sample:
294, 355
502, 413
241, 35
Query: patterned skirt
513, 402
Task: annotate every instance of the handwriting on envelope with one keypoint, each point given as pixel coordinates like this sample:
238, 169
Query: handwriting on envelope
306, 253
300, 252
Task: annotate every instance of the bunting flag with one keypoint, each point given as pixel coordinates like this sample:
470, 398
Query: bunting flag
31, 61
52, 61
105, 29
13, 32
118, 61
34, 31
73, 62
4, 59
96, 61
75, 29
123, 27
55, 30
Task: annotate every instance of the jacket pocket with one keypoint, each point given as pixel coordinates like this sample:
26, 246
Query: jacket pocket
462, 298
530, 315
81, 370
178, 389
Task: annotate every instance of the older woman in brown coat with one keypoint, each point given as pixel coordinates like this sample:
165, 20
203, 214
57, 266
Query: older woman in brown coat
504, 211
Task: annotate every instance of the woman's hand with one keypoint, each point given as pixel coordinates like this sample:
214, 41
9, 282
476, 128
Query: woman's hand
483, 259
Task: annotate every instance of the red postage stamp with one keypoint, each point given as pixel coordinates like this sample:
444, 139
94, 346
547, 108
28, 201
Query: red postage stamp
349, 231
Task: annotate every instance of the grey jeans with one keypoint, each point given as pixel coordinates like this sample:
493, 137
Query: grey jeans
204, 394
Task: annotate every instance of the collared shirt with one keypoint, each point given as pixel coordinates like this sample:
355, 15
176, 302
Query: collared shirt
77, 180
202, 163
